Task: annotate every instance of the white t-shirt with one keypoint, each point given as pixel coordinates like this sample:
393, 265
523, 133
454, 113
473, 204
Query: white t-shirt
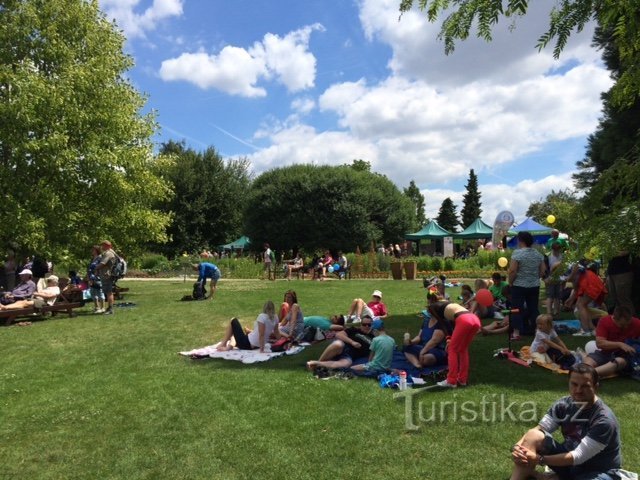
51, 291
267, 255
269, 327
538, 341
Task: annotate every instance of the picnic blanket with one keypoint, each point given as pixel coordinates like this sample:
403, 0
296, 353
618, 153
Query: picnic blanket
400, 362
566, 326
244, 356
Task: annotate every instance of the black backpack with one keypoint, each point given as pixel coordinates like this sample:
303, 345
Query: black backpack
119, 268
199, 292
39, 267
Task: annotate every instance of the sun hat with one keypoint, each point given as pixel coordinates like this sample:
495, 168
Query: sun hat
377, 293
52, 278
26, 271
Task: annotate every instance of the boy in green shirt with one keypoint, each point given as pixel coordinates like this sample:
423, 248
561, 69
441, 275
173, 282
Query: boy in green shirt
381, 354
496, 288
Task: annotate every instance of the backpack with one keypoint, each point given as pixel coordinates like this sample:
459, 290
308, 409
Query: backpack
119, 268
39, 267
309, 334
199, 292
281, 345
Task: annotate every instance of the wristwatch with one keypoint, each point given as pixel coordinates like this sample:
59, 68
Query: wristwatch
541, 461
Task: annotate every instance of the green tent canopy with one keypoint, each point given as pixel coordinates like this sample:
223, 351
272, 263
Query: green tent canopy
478, 229
240, 244
429, 232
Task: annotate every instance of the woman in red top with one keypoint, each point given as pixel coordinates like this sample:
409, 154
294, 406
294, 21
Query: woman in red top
588, 288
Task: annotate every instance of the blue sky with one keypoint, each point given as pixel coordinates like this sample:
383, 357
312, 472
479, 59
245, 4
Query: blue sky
283, 82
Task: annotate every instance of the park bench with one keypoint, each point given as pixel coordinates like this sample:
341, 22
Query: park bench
9, 316
118, 292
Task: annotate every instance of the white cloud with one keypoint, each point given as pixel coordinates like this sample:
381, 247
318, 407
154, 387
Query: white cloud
414, 130
511, 56
303, 144
303, 105
137, 24
233, 71
236, 70
497, 197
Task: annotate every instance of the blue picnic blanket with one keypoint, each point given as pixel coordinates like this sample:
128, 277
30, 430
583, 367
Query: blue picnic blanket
566, 326
400, 362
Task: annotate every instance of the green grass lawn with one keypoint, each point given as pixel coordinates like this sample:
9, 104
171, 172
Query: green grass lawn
108, 397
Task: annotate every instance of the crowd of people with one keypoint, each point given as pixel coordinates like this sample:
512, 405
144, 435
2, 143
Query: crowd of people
361, 345
37, 286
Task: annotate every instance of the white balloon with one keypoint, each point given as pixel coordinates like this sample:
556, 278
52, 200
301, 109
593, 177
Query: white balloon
590, 347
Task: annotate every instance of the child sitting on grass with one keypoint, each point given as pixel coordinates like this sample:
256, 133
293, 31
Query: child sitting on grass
381, 348
547, 346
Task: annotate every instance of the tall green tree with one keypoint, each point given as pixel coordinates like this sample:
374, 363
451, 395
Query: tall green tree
361, 165
566, 17
447, 216
209, 197
471, 205
417, 198
562, 204
616, 137
76, 159
325, 207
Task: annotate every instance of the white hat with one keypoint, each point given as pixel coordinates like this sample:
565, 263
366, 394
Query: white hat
52, 278
26, 271
377, 293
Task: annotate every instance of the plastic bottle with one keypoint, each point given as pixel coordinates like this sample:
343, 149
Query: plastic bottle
407, 338
402, 384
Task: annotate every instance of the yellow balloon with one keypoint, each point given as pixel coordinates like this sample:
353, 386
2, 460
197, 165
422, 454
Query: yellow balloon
503, 262
551, 219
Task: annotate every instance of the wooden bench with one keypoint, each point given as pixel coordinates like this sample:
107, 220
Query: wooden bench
118, 292
11, 315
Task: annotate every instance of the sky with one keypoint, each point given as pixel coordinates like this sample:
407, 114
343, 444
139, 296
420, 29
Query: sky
305, 81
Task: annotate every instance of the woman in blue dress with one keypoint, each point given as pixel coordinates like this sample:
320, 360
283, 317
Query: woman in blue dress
427, 349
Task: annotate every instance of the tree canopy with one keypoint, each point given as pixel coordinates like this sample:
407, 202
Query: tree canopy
417, 198
620, 17
76, 160
209, 197
471, 205
447, 216
315, 207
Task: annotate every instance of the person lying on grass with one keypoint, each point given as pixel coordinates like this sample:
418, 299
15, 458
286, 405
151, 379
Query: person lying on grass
334, 324
591, 448
374, 309
381, 354
427, 348
264, 327
349, 345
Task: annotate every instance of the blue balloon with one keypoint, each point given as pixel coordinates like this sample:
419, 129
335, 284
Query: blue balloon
336, 267
330, 269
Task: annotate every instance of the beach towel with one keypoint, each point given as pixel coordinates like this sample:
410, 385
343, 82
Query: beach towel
244, 356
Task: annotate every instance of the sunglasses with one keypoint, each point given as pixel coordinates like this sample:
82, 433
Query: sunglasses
366, 324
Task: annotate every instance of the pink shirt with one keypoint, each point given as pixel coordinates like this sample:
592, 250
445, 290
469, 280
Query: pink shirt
379, 309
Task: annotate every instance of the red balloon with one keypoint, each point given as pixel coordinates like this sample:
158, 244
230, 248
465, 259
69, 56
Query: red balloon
484, 297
